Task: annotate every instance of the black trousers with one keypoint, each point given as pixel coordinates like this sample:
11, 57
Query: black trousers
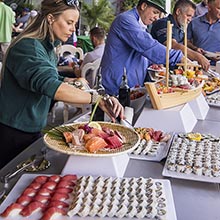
13, 142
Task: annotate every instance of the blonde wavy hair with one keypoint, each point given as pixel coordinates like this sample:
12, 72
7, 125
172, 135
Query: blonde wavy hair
40, 28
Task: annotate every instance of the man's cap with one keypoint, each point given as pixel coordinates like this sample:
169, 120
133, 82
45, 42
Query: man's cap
159, 4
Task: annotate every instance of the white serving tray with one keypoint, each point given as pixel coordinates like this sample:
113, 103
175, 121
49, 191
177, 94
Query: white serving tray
26, 179
190, 176
161, 153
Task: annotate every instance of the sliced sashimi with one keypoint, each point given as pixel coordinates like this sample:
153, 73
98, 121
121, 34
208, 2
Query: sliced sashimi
114, 141
95, 143
99, 133
68, 136
88, 136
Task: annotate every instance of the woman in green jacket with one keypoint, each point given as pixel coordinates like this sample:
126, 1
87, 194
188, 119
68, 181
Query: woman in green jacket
30, 79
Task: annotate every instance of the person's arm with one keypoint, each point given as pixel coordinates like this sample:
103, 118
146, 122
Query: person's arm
194, 48
68, 93
191, 54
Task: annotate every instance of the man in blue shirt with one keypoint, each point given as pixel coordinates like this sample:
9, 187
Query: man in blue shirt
183, 10
130, 46
204, 31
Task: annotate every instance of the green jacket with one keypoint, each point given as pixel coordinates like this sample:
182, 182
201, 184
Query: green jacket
30, 81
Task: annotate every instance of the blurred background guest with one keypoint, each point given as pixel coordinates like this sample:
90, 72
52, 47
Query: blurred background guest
204, 31
97, 36
21, 21
183, 10
201, 8
7, 20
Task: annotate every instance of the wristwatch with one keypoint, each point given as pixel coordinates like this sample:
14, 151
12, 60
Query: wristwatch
94, 97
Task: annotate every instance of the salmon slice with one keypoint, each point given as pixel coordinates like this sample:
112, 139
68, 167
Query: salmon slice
99, 133
86, 137
95, 143
68, 136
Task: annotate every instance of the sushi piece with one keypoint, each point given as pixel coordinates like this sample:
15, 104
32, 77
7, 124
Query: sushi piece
35, 185
31, 208
65, 184
51, 185
12, 210
53, 213
55, 178
29, 192
24, 200
63, 190
45, 192
42, 199
41, 179
59, 197
58, 204
70, 177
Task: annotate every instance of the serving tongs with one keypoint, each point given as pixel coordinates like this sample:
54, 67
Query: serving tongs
109, 106
40, 163
212, 73
5, 179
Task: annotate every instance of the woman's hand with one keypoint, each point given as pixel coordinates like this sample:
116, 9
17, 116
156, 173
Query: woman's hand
112, 107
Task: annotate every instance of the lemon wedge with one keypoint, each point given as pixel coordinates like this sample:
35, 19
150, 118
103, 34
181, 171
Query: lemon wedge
195, 136
94, 124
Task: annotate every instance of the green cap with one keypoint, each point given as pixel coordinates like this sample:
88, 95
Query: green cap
159, 4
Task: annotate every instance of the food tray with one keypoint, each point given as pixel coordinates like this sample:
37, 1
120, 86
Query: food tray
26, 179
214, 99
157, 152
212, 54
58, 144
194, 160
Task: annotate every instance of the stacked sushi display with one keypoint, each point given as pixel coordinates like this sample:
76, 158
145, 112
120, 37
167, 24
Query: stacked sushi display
213, 99
199, 158
153, 146
115, 197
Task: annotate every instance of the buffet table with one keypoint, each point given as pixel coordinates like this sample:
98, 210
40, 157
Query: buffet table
193, 199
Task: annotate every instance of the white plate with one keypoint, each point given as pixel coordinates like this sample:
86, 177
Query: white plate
155, 70
193, 177
161, 153
212, 54
213, 99
26, 179
190, 176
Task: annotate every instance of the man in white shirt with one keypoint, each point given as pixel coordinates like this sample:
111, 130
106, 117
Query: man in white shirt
97, 36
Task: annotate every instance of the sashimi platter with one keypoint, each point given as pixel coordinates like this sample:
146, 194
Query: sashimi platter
92, 139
